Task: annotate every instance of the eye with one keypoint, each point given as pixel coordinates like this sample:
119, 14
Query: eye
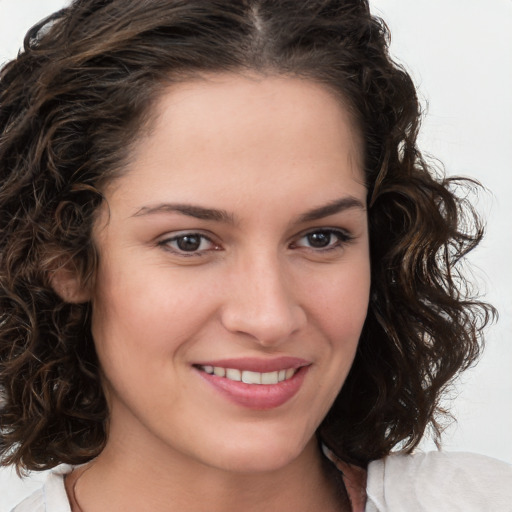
323, 239
189, 244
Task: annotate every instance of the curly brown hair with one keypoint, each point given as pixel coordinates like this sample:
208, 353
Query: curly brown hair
71, 106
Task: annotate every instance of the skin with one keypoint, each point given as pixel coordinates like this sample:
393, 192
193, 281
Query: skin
267, 151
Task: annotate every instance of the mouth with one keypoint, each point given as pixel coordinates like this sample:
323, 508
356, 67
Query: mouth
250, 377
255, 383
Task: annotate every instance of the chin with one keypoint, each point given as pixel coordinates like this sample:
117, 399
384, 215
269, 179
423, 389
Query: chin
260, 463
251, 456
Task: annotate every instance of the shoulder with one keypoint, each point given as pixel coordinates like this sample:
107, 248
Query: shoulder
439, 481
51, 497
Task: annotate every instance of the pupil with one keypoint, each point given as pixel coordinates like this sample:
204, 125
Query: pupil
319, 239
189, 242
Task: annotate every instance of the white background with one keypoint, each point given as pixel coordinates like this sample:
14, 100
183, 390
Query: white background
459, 53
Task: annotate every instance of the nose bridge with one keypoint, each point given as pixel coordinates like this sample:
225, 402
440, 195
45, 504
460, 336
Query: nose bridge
261, 300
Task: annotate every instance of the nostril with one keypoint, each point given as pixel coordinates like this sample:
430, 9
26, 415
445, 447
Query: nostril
259, 299
268, 326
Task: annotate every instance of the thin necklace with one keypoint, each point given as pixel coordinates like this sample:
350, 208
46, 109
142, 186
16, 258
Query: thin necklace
328, 453
75, 505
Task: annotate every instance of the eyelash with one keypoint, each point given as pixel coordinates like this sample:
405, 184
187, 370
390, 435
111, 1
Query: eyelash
342, 237
166, 244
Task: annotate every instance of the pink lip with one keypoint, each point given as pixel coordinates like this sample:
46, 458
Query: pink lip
257, 396
254, 364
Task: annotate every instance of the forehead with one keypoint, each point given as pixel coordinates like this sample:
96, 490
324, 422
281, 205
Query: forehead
212, 107
245, 131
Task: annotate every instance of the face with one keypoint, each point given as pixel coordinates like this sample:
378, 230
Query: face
234, 273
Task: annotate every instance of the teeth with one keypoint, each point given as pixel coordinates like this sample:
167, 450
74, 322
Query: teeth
250, 377
233, 374
270, 378
219, 371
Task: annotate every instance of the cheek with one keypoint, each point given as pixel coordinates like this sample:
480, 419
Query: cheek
143, 315
338, 309
340, 303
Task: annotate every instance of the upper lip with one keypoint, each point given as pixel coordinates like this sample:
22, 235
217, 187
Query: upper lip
254, 364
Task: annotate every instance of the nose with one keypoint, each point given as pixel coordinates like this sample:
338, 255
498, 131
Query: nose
260, 302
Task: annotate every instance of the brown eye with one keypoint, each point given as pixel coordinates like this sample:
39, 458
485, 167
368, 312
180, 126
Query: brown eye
323, 239
189, 244
320, 239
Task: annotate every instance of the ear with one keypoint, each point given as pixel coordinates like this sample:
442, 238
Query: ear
66, 283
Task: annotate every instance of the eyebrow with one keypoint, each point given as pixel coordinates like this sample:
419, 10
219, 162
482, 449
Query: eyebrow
219, 215
332, 208
198, 212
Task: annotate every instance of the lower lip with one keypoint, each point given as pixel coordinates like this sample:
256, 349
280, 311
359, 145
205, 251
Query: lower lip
257, 396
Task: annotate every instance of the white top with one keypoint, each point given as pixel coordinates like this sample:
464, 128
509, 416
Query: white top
440, 482
435, 481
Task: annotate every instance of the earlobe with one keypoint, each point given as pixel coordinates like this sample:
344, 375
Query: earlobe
67, 284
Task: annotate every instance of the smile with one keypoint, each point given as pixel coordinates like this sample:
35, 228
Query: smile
250, 377
255, 383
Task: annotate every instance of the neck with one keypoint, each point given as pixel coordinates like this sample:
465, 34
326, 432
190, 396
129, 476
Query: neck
120, 480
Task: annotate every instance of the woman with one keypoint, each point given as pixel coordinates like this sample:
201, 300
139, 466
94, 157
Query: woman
229, 279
